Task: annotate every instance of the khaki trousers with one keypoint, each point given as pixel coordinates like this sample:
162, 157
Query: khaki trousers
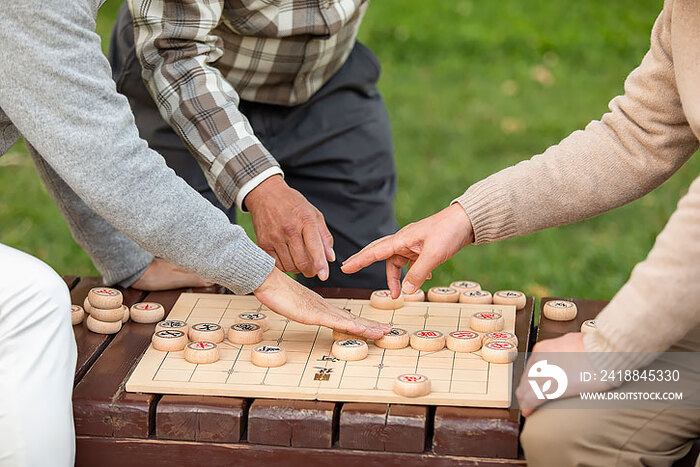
558, 436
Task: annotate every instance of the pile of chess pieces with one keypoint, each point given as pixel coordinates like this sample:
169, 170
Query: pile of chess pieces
106, 312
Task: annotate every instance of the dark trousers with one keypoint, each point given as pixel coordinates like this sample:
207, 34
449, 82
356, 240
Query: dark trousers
336, 149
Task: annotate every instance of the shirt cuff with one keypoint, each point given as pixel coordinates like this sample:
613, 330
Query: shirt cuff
251, 184
488, 206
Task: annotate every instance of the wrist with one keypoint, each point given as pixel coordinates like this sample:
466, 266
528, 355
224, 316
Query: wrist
271, 284
266, 189
459, 217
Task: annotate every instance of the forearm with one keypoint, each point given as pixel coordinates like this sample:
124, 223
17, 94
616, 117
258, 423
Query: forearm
57, 90
176, 48
661, 301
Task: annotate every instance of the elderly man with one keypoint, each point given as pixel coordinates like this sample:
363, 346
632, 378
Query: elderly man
271, 107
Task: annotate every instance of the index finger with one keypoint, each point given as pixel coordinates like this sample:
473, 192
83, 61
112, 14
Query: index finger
353, 324
378, 250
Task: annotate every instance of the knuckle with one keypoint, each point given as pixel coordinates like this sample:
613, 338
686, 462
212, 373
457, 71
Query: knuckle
267, 248
289, 229
307, 220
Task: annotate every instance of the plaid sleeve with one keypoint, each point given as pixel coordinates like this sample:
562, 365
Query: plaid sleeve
175, 45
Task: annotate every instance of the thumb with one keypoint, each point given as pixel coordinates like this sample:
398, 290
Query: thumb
419, 272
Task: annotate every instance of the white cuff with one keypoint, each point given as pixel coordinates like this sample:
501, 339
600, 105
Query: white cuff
251, 184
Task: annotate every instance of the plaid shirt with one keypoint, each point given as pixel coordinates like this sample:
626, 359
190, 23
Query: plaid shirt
199, 57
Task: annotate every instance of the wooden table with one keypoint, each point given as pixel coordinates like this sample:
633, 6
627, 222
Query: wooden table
116, 428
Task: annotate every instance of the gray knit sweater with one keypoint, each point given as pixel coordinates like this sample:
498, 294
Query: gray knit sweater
57, 92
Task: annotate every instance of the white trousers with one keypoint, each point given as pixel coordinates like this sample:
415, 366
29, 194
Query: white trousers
37, 364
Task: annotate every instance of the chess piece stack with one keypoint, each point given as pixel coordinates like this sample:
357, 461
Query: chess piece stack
106, 310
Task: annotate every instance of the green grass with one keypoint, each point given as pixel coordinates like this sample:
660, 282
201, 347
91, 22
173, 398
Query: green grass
471, 87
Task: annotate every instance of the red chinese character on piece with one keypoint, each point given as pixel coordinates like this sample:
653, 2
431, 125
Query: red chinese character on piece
463, 334
499, 335
500, 345
383, 293
412, 378
487, 315
106, 291
427, 334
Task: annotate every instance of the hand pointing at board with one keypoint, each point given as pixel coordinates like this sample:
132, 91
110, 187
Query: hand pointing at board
424, 244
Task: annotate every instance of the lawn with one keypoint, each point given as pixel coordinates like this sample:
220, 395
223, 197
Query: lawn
471, 87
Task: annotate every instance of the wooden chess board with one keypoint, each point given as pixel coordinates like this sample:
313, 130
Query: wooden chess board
458, 379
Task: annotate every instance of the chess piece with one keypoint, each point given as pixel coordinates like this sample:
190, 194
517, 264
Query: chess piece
103, 327
559, 310
427, 340
510, 297
463, 341
201, 352
342, 335
501, 336
412, 385
125, 316
208, 332
382, 300
443, 295
588, 326
487, 321
499, 352
350, 350
397, 338
169, 340
77, 313
477, 297
268, 356
173, 324
254, 317
417, 296
465, 286
147, 312
245, 333
109, 315
105, 298
86, 305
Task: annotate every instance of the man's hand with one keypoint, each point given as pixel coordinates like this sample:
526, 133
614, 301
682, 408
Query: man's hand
164, 275
290, 229
285, 296
426, 244
567, 352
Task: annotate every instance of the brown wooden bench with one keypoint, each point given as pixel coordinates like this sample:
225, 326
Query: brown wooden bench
117, 428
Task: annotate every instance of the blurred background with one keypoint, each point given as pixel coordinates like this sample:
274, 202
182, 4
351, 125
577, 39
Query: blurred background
471, 87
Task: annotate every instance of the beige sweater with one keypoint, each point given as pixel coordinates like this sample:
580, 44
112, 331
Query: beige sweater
648, 134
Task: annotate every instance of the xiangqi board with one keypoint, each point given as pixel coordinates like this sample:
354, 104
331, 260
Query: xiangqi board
310, 372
